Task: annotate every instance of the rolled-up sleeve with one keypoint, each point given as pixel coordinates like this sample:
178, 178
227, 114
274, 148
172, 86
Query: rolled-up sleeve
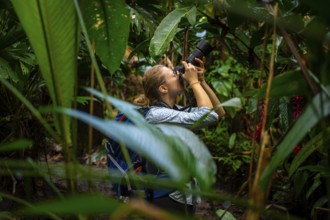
159, 115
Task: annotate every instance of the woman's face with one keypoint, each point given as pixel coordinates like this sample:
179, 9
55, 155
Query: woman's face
172, 81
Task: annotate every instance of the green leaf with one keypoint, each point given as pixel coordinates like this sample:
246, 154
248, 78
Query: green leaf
232, 140
205, 168
284, 112
166, 31
300, 179
235, 20
148, 142
293, 23
234, 102
312, 145
14, 35
6, 71
257, 36
127, 108
319, 203
252, 105
76, 205
320, 168
53, 33
108, 26
16, 145
225, 215
317, 182
140, 47
191, 15
272, 111
314, 112
286, 84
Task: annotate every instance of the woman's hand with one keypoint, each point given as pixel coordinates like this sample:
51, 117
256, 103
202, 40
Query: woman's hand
190, 75
200, 68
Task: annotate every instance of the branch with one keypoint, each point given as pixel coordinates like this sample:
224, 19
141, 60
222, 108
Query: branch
294, 51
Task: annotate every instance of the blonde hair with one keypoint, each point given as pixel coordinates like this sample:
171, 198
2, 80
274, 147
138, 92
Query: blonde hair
152, 79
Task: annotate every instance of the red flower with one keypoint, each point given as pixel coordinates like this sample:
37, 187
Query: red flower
296, 149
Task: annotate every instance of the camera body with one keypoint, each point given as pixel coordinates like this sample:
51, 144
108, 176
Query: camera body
203, 49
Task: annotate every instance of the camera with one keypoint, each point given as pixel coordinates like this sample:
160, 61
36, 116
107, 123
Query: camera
202, 50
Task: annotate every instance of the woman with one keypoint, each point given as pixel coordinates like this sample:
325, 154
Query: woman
161, 89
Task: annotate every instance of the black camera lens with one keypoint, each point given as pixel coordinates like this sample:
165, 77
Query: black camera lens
203, 49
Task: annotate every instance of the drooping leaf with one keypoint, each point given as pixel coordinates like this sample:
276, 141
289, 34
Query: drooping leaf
166, 31
108, 26
53, 33
16, 145
233, 102
205, 168
314, 112
149, 143
122, 106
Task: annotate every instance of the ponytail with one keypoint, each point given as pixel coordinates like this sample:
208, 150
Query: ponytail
141, 100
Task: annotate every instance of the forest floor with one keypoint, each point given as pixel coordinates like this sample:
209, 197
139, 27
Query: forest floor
206, 210
41, 191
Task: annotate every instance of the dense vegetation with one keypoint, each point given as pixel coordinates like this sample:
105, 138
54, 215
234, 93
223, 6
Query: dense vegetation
59, 59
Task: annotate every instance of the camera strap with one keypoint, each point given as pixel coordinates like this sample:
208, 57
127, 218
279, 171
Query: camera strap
187, 97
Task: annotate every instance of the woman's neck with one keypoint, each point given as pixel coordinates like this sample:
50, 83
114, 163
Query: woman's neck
169, 102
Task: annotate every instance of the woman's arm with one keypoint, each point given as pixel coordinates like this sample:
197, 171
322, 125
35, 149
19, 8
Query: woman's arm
214, 99
212, 96
191, 76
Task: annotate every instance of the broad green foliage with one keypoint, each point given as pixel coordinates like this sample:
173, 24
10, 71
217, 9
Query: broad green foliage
108, 27
88, 204
167, 29
15, 146
176, 150
53, 34
314, 112
285, 85
237, 69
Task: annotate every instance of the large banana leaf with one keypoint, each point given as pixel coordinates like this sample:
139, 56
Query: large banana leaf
149, 143
177, 144
52, 29
108, 26
314, 112
167, 29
